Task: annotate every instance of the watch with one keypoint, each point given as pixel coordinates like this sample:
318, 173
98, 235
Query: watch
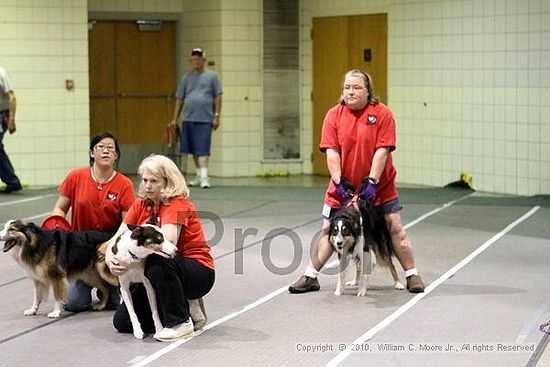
374, 181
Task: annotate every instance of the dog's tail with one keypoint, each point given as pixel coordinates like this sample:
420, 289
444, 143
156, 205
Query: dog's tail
106, 274
376, 233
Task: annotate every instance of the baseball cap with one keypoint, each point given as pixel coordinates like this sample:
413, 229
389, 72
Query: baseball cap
198, 51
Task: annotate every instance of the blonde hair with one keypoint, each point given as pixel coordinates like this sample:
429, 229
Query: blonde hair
164, 168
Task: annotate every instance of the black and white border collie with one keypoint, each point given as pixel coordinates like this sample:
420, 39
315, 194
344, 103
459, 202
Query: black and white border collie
355, 228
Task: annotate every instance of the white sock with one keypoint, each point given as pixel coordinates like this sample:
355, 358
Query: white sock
311, 272
410, 272
202, 172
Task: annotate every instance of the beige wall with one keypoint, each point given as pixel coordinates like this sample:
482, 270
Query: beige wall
469, 83
231, 34
41, 45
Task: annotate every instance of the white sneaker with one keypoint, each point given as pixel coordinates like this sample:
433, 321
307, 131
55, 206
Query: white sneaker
205, 184
181, 331
198, 313
194, 182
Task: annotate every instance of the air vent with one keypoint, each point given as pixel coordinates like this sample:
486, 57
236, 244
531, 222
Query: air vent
149, 25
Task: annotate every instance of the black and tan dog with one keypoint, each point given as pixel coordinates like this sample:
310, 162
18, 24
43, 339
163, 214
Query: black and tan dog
51, 257
355, 228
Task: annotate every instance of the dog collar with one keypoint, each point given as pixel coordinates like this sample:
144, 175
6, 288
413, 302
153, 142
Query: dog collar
133, 255
353, 202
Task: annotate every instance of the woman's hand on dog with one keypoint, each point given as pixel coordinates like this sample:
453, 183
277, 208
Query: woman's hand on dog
115, 266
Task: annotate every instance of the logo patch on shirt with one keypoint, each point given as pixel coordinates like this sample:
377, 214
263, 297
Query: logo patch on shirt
371, 119
111, 196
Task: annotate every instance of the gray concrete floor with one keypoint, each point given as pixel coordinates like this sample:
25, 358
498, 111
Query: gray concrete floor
484, 260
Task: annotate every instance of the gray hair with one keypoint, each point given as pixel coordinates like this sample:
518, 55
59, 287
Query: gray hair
372, 99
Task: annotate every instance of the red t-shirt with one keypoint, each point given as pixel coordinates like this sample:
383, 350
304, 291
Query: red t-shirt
92, 208
191, 242
357, 135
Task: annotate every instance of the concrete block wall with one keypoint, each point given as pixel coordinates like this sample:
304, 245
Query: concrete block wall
468, 81
469, 84
42, 44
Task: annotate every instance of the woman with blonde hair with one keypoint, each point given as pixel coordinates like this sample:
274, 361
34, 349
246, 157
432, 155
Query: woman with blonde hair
181, 282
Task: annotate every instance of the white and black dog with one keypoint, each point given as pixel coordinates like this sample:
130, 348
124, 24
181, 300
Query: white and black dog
357, 227
131, 248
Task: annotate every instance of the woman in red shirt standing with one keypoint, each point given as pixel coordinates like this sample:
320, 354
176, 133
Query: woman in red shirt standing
358, 137
181, 282
99, 198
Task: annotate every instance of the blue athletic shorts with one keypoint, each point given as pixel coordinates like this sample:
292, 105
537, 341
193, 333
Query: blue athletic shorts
196, 138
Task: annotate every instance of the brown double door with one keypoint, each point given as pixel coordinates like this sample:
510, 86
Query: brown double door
341, 44
132, 80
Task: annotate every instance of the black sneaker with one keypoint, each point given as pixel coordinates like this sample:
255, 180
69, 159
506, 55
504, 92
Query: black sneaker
415, 284
304, 284
11, 188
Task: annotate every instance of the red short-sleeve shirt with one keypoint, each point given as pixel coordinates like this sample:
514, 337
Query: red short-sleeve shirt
191, 241
92, 208
357, 135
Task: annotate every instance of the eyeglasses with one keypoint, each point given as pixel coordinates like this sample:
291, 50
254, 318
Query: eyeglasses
101, 148
354, 87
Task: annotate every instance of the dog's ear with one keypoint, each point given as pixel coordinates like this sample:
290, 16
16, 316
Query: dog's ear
18, 224
131, 227
137, 232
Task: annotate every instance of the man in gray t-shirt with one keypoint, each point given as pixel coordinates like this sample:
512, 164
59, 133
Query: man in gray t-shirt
7, 124
200, 95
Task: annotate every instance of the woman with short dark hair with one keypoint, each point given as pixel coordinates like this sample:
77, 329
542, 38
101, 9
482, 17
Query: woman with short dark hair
99, 197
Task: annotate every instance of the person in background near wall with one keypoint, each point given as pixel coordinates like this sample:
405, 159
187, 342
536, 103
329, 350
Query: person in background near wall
99, 198
358, 137
7, 123
179, 282
200, 95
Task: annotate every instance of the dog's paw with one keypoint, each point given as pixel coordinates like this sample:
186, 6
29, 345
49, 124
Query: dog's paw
138, 334
30, 312
54, 314
399, 285
362, 293
98, 307
338, 292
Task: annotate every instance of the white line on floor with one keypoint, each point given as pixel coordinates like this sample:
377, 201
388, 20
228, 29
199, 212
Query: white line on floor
262, 300
388, 320
43, 215
532, 322
14, 202
219, 321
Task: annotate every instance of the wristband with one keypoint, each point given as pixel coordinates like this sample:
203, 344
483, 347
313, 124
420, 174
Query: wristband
374, 181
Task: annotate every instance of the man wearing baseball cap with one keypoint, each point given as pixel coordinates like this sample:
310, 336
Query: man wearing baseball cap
199, 94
